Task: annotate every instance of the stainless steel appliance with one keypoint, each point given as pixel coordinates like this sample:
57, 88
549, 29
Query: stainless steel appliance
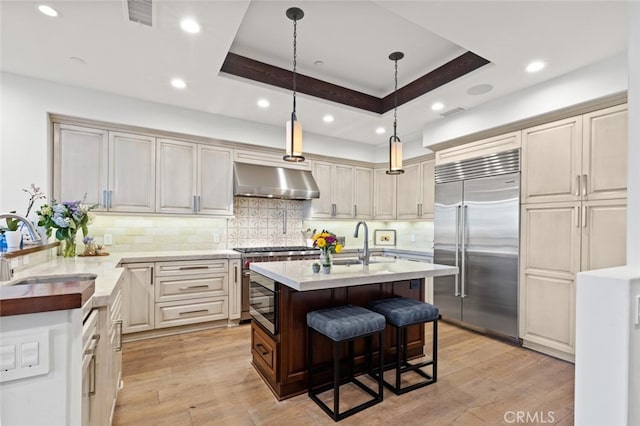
267, 254
253, 180
477, 229
263, 302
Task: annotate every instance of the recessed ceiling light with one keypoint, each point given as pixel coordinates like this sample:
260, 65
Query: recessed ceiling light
328, 118
263, 103
47, 10
190, 26
178, 83
479, 89
535, 66
380, 130
437, 106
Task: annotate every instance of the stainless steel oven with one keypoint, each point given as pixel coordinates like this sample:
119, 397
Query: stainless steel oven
263, 302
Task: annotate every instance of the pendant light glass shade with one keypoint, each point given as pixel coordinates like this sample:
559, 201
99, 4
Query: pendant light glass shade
395, 156
395, 145
293, 151
294, 141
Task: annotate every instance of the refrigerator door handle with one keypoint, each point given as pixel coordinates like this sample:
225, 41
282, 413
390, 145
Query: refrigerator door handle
457, 276
463, 253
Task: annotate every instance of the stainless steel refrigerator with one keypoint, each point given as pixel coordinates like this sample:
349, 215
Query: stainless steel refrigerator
477, 229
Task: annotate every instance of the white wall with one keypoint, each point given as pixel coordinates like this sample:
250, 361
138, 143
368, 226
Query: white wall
592, 82
25, 151
633, 197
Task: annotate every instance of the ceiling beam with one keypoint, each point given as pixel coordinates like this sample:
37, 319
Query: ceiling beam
269, 74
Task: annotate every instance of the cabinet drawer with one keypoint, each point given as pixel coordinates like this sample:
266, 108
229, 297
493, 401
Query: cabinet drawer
191, 267
191, 287
172, 314
264, 352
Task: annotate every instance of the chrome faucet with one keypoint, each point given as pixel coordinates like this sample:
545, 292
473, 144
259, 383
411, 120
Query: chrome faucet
35, 237
365, 253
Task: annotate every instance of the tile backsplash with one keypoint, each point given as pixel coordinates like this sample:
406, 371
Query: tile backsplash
265, 222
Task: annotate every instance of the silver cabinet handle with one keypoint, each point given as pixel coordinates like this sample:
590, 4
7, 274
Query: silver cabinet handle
584, 216
457, 276
119, 324
198, 312
104, 199
284, 222
355, 210
577, 210
193, 287
191, 268
578, 185
199, 203
151, 275
464, 254
92, 378
584, 185
195, 204
110, 198
235, 273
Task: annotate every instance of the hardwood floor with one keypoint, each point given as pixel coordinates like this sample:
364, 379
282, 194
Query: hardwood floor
206, 378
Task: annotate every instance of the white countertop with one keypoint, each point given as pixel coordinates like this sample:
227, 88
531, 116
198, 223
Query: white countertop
298, 275
109, 268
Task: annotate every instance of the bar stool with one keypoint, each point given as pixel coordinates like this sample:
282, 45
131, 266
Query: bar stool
344, 324
402, 312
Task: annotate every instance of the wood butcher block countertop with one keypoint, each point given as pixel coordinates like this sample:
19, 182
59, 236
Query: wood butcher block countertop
33, 298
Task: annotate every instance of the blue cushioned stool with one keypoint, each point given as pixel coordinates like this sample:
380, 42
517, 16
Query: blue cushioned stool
344, 324
402, 312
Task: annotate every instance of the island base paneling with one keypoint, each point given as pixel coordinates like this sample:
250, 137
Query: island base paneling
281, 359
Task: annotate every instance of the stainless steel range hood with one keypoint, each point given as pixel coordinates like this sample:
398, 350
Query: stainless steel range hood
252, 180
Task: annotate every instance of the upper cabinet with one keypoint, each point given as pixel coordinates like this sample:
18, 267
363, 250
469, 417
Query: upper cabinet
384, 195
582, 157
104, 165
193, 178
415, 192
345, 191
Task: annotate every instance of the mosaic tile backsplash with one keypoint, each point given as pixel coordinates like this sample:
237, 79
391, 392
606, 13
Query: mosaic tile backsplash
266, 222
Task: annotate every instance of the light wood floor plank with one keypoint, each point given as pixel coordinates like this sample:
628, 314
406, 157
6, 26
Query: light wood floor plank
206, 378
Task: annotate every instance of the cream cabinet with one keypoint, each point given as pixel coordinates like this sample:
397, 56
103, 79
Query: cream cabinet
415, 191
384, 195
557, 241
193, 178
138, 298
363, 193
336, 184
103, 165
235, 289
582, 157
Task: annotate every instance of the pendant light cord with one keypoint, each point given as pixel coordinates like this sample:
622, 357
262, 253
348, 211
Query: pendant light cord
295, 62
395, 101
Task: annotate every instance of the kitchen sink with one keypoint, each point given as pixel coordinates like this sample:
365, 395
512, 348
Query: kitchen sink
48, 279
351, 261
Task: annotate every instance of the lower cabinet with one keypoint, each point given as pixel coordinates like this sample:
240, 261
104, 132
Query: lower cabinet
168, 294
559, 240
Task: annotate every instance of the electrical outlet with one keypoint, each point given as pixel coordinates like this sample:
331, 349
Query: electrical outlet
413, 238
216, 238
108, 239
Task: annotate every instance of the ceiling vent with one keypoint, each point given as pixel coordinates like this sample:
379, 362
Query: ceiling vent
140, 11
452, 111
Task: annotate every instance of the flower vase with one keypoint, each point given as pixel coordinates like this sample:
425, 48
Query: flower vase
69, 249
325, 260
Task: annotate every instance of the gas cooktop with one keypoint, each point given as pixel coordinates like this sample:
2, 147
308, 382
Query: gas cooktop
276, 249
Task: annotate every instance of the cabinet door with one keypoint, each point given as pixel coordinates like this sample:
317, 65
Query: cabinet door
428, 189
80, 164
323, 206
132, 178
363, 192
215, 181
409, 191
384, 193
176, 176
138, 298
604, 158
550, 258
343, 191
551, 161
604, 234
235, 289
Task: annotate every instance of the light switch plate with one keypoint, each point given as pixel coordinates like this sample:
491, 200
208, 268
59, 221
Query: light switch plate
30, 352
108, 239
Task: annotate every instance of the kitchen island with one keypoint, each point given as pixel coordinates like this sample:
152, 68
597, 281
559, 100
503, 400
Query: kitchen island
279, 349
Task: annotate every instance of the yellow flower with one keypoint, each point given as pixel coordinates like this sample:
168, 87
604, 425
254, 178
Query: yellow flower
325, 234
321, 242
338, 248
315, 237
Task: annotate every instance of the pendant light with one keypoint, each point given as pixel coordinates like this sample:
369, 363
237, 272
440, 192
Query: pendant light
395, 146
293, 127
